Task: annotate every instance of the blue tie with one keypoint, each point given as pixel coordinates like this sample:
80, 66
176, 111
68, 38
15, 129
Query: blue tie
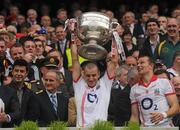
54, 102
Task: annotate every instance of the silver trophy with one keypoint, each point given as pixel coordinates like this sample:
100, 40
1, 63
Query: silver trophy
93, 29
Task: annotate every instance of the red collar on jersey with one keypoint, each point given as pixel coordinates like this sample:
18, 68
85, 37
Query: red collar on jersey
141, 82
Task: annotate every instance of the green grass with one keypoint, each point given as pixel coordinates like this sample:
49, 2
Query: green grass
102, 125
57, 125
131, 126
27, 125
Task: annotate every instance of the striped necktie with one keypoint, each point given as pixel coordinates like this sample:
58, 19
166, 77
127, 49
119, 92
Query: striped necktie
54, 102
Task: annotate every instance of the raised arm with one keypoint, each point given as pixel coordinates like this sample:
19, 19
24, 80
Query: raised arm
112, 63
76, 68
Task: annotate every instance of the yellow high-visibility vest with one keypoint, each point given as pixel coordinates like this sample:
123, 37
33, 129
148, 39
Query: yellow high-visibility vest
68, 53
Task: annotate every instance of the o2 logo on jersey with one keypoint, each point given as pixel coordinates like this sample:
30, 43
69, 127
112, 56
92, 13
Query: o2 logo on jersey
92, 98
147, 103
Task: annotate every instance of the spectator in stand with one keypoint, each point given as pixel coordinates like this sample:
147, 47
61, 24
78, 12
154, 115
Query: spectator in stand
77, 13
17, 52
12, 17
161, 73
132, 76
9, 39
163, 25
4, 62
2, 20
66, 73
11, 112
45, 65
45, 21
153, 11
129, 48
140, 27
110, 14
120, 106
152, 99
61, 17
31, 57
21, 24
176, 84
62, 43
131, 61
153, 40
168, 47
22, 88
129, 21
175, 13
175, 69
51, 104
40, 49
32, 17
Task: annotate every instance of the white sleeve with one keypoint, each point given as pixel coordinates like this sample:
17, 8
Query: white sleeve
78, 84
107, 80
132, 95
167, 87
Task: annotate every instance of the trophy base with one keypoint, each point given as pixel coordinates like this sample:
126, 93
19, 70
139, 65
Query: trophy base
92, 52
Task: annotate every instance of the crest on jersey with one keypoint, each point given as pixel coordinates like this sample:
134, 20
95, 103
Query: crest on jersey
156, 92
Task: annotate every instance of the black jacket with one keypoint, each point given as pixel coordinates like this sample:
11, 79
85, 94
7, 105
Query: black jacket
120, 106
10, 99
45, 111
27, 105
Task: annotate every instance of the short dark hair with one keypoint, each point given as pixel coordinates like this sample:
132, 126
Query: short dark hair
149, 58
21, 62
162, 71
89, 64
152, 20
2, 39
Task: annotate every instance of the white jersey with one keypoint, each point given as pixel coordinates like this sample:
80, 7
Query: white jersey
92, 103
173, 71
152, 98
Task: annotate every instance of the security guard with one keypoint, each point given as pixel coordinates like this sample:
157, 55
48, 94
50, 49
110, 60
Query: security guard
45, 65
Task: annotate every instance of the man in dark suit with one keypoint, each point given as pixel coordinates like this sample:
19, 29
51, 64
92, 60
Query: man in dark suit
62, 43
153, 40
24, 94
120, 107
51, 105
9, 117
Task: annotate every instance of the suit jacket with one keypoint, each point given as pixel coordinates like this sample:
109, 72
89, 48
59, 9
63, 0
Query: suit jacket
138, 30
120, 106
27, 104
10, 99
45, 111
56, 46
146, 49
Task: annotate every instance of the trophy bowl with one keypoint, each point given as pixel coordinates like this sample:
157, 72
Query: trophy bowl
93, 29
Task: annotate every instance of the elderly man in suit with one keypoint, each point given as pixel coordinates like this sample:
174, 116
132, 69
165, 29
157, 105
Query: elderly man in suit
51, 104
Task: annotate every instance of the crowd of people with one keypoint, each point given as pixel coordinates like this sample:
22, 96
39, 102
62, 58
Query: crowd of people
43, 78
